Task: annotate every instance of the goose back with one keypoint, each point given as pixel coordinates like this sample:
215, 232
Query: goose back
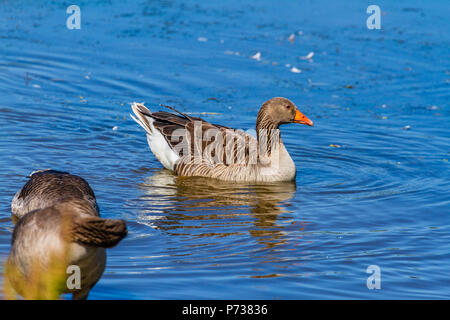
48, 187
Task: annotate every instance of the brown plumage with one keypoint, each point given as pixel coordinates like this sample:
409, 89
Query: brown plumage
179, 142
93, 231
48, 187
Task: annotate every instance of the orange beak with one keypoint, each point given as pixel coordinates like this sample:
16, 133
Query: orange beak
302, 119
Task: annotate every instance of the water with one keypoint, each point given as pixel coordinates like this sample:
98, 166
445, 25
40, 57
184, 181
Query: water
379, 195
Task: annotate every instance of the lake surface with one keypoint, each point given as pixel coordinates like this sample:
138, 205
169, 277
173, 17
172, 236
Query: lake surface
373, 178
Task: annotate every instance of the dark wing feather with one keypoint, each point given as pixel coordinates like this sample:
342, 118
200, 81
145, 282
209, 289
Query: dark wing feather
167, 123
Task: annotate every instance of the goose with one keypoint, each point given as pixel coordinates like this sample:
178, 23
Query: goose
48, 187
68, 233
191, 146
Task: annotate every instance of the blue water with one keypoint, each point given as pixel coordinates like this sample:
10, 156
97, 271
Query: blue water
373, 176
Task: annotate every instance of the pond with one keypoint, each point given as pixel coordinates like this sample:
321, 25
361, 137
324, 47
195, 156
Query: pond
373, 174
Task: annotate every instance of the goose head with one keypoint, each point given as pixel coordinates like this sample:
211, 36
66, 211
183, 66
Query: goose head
278, 111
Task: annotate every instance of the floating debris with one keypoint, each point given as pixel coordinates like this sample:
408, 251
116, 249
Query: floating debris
257, 56
407, 127
384, 117
291, 38
335, 145
115, 128
202, 39
349, 86
308, 56
295, 70
229, 52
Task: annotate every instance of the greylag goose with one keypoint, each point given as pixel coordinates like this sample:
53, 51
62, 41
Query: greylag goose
48, 240
191, 146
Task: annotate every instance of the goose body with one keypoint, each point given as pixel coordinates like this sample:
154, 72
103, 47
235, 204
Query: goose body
191, 146
67, 233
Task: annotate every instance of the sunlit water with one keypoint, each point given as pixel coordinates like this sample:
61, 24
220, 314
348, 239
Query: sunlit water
373, 176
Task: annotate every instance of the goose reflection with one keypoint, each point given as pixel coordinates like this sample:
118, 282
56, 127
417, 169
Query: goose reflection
203, 207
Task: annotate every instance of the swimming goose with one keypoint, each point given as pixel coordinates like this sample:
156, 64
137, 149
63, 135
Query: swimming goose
191, 146
69, 233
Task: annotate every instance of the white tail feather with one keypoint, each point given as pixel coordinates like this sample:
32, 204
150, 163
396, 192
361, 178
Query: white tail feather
156, 141
139, 109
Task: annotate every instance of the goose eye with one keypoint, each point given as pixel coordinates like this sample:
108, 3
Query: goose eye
288, 107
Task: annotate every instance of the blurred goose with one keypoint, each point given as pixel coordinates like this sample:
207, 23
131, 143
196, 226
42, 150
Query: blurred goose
48, 240
48, 187
221, 152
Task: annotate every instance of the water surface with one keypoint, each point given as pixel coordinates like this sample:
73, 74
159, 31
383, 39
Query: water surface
373, 173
